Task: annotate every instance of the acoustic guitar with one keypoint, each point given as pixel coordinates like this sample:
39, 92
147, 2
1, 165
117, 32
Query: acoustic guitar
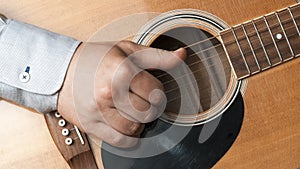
242, 56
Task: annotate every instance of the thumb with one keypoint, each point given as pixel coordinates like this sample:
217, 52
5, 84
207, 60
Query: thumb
153, 58
158, 58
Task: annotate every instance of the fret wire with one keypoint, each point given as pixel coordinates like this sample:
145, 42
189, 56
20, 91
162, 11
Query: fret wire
254, 55
166, 82
246, 64
293, 18
261, 43
273, 38
271, 26
197, 80
283, 31
210, 57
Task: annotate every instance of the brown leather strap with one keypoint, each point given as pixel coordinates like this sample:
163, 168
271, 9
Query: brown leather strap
76, 151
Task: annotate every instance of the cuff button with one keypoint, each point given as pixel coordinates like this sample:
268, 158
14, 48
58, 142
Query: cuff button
24, 77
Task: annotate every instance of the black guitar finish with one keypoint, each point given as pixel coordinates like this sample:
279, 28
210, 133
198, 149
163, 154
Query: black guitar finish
189, 153
202, 146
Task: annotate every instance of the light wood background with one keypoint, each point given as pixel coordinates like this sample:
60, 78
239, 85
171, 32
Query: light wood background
270, 135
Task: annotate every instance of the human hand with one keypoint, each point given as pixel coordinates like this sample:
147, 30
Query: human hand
107, 93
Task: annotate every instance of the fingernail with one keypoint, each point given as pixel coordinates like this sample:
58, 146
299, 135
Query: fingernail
179, 51
156, 96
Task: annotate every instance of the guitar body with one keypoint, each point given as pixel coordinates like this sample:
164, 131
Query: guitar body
268, 132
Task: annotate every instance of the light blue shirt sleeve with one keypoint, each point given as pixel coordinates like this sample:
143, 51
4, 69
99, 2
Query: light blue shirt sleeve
33, 64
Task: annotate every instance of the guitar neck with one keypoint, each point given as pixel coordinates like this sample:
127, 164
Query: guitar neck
264, 42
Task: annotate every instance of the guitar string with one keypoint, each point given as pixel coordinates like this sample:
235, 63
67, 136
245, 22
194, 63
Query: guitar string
166, 82
213, 47
169, 91
230, 42
211, 65
173, 89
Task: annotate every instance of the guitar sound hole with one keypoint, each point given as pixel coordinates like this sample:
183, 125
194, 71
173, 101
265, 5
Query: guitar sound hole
219, 110
208, 62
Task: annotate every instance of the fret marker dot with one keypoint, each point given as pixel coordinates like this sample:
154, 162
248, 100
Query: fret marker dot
278, 36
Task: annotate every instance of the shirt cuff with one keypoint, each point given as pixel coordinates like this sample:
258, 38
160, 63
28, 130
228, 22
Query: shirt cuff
33, 60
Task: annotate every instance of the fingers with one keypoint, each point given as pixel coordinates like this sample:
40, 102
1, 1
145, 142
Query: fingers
126, 95
158, 59
143, 84
135, 107
111, 136
139, 109
146, 91
122, 124
146, 57
130, 105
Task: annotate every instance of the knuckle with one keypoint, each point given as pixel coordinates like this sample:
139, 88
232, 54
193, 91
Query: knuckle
105, 93
134, 129
150, 116
125, 70
144, 75
129, 45
125, 43
102, 98
140, 108
91, 105
117, 140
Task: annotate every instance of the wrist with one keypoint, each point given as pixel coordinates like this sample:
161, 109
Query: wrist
65, 96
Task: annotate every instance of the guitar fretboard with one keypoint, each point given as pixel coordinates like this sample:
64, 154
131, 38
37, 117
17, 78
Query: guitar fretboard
264, 42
